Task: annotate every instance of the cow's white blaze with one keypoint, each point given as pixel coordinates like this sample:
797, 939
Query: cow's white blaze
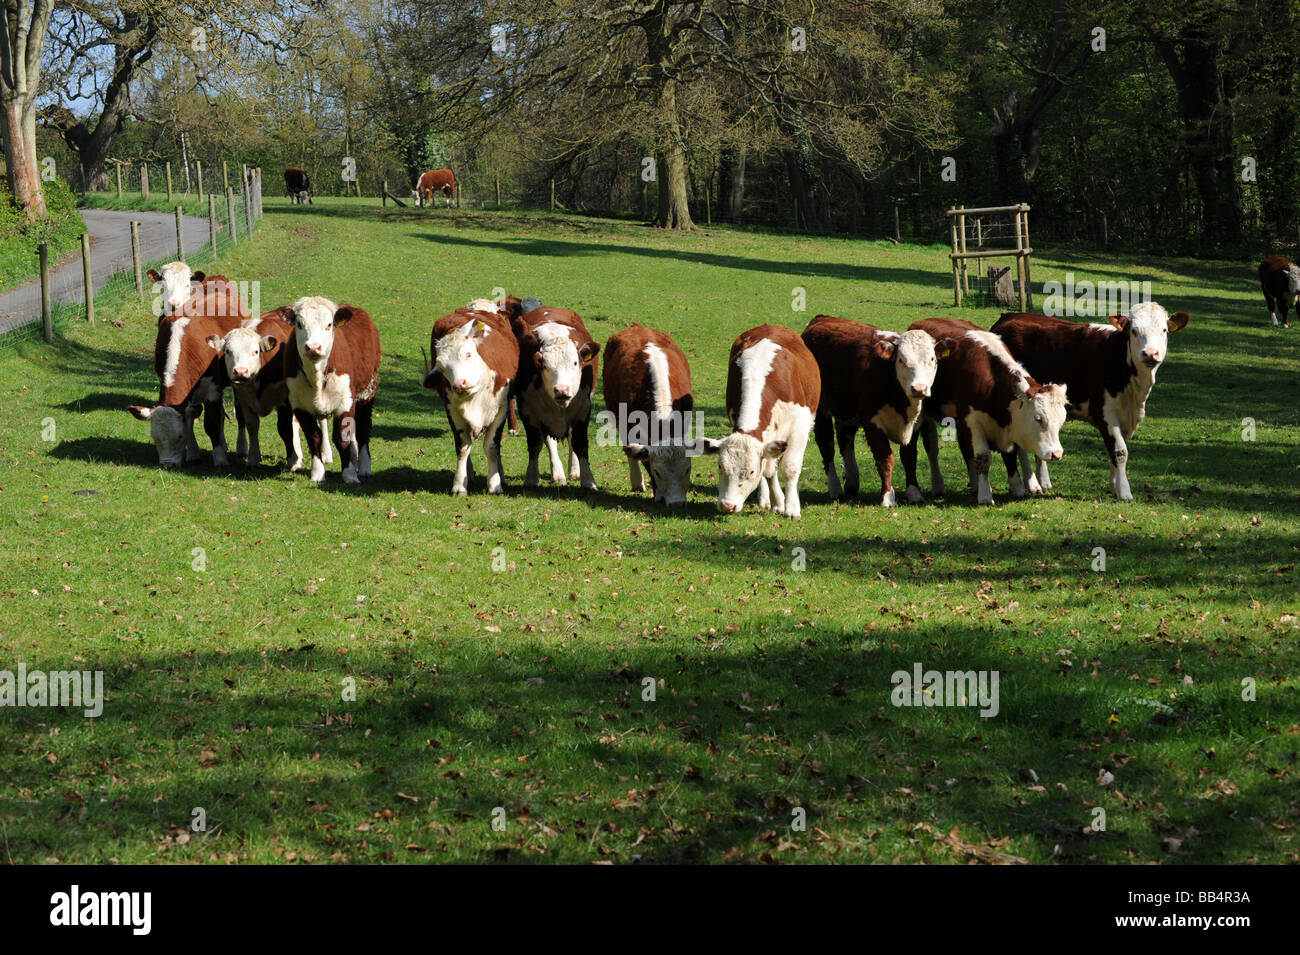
998, 349
1293, 284
458, 360
560, 365
915, 363
174, 341
660, 387
755, 364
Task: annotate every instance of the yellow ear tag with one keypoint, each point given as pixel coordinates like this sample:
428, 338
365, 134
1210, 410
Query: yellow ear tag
480, 326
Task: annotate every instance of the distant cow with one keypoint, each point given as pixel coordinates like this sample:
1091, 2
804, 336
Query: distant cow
773, 389
1279, 278
1109, 371
992, 399
191, 307
331, 368
874, 380
254, 368
557, 371
475, 361
647, 387
297, 185
432, 181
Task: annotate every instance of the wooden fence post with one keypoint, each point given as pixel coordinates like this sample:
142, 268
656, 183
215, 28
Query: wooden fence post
248, 211
230, 216
383, 194
497, 181
180, 234
47, 315
118, 166
135, 258
212, 222
225, 176
144, 180
898, 236
552, 195
169, 183
198, 168
86, 278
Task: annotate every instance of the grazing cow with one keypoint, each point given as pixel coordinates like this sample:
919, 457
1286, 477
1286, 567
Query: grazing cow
1279, 278
432, 181
647, 386
557, 371
871, 379
254, 369
192, 306
297, 185
773, 389
1109, 371
331, 368
475, 361
994, 402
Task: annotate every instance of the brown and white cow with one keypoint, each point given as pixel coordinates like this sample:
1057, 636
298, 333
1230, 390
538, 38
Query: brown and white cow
331, 369
475, 361
253, 367
992, 399
191, 307
873, 379
1109, 371
773, 389
433, 181
1279, 279
647, 390
557, 371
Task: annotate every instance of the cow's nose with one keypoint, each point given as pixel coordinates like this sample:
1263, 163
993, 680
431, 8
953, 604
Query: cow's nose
241, 372
1151, 354
727, 507
921, 390
1056, 455
315, 349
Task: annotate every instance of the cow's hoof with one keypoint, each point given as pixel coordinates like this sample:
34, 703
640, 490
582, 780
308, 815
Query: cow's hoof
459, 492
1018, 487
559, 478
193, 457
589, 486
850, 490
889, 500
350, 476
790, 512
575, 475
1034, 486
987, 500
253, 461
219, 459
914, 495
499, 489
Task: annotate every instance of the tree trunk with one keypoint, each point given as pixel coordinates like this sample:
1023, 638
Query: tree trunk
24, 177
731, 184
801, 191
674, 208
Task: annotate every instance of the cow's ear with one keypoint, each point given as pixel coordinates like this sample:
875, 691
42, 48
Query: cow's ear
216, 343
342, 316
1119, 321
289, 315
588, 351
154, 275
431, 378
885, 348
943, 348
774, 449
1178, 321
137, 411
709, 445
198, 276
537, 359
638, 451
269, 342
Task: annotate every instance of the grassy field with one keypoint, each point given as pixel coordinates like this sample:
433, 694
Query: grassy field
518, 696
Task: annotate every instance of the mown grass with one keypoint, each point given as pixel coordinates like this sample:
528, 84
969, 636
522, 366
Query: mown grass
521, 690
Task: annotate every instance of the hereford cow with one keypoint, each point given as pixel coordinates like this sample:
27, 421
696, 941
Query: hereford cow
1109, 371
1279, 279
773, 389
992, 399
432, 181
191, 307
557, 371
871, 379
252, 364
647, 386
331, 368
475, 361
297, 185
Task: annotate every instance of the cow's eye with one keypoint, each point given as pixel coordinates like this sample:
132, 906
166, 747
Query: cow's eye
1038, 418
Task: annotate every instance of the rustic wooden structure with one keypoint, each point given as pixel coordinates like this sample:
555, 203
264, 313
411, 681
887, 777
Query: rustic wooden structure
1021, 250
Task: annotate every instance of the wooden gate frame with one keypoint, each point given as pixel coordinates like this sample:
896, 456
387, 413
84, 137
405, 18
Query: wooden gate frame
1022, 251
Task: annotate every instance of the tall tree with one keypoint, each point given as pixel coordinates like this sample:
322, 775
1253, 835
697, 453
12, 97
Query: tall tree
26, 22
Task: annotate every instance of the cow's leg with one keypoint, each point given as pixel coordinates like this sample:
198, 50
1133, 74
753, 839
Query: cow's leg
824, 434
496, 479
930, 437
980, 457
190, 414
365, 412
1286, 313
533, 434
345, 436
578, 448
634, 473
214, 423
788, 467
575, 468
311, 427
291, 435
908, 453
463, 445
883, 452
1271, 306
847, 433
557, 466
1117, 448
771, 477
253, 451
327, 452
242, 424
1014, 482
1044, 479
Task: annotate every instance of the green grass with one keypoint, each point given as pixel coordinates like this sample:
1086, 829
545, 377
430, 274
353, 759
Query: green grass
157, 202
522, 689
20, 241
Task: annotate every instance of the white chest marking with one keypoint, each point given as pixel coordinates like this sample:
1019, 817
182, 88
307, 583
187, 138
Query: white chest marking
174, 351
1127, 409
897, 427
330, 396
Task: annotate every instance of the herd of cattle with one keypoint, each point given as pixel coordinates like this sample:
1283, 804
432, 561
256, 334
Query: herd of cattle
1009, 389
297, 186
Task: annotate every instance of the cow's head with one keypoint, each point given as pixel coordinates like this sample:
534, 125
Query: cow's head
457, 361
559, 362
1037, 415
242, 349
916, 359
1148, 329
315, 319
741, 459
1293, 285
167, 428
670, 469
483, 305
179, 285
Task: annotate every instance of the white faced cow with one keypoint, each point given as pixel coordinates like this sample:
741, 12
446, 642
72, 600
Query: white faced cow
1108, 369
332, 371
773, 389
1279, 280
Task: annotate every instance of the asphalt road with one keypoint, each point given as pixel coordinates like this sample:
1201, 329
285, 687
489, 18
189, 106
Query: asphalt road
110, 251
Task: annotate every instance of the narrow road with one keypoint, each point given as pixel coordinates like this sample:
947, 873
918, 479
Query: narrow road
110, 252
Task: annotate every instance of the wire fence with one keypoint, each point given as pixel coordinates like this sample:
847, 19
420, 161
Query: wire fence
116, 255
